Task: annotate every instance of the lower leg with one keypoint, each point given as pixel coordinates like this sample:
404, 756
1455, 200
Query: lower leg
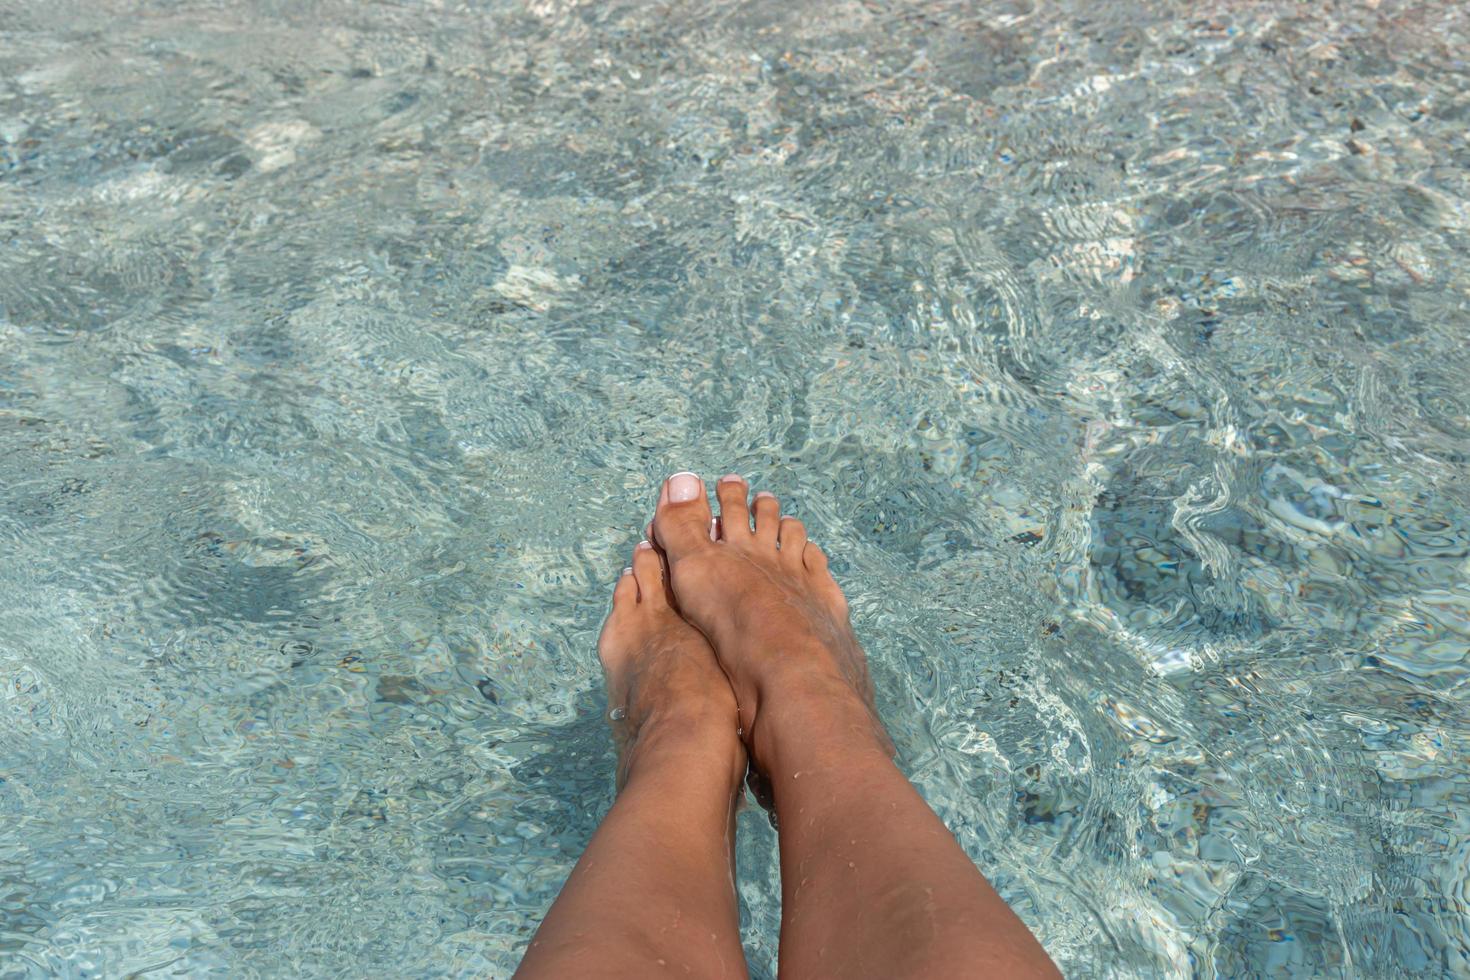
873, 883
655, 888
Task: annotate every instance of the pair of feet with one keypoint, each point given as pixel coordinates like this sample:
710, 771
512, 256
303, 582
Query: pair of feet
729, 636
729, 645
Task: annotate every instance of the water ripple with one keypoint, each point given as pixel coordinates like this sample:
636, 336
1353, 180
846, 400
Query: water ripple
1115, 354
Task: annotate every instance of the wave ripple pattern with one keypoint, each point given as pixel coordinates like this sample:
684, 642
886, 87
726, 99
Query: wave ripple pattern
1117, 352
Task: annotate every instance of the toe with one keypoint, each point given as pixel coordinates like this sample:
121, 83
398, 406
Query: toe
792, 540
625, 593
611, 648
767, 517
815, 561
734, 513
814, 558
682, 520
648, 571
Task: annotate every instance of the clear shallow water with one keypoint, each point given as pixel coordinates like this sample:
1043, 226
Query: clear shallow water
1118, 354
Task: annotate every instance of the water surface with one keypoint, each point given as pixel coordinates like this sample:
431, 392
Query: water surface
1116, 351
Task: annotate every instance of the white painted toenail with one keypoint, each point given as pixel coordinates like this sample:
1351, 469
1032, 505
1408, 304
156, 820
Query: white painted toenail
644, 545
684, 487
732, 478
627, 571
764, 493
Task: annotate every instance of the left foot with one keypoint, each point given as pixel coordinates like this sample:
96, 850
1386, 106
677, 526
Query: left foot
667, 697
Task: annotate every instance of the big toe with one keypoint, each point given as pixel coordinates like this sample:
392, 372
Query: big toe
681, 522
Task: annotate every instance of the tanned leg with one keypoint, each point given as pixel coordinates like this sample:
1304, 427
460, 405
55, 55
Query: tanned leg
654, 892
873, 884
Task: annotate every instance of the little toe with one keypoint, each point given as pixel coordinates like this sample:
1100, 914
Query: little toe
792, 540
814, 558
682, 519
734, 513
767, 517
648, 571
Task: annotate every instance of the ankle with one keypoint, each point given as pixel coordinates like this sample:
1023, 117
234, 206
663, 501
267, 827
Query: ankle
816, 722
687, 745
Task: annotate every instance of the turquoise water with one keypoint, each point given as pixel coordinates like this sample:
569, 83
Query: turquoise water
1116, 351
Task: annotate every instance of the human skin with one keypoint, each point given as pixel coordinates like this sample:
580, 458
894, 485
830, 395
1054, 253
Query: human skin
873, 883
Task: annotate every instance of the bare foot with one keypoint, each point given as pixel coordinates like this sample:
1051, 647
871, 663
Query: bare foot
775, 615
668, 700
654, 892
872, 883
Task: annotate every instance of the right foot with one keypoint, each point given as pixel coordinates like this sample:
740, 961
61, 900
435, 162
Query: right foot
775, 616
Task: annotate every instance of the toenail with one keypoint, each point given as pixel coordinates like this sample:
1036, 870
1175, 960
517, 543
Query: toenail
627, 571
684, 487
764, 493
644, 545
732, 478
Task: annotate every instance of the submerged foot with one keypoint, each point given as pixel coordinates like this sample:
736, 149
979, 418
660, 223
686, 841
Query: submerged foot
668, 700
779, 623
